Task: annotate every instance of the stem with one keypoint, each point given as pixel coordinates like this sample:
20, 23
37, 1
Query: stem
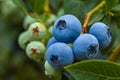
114, 53
110, 13
46, 7
88, 15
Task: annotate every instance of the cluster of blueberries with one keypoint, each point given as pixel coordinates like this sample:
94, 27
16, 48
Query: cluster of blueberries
68, 45
31, 40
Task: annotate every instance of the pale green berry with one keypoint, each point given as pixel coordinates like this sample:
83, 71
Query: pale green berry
50, 71
50, 20
24, 39
36, 51
61, 12
50, 29
37, 31
27, 21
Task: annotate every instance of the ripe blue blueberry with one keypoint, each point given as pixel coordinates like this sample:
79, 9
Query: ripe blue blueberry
51, 41
85, 46
102, 33
59, 55
66, 29
101, 56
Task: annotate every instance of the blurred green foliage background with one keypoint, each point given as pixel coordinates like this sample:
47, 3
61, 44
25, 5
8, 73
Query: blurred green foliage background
14, 64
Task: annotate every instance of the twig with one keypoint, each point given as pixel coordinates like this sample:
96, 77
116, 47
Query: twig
114, 53
46, 7
88, 15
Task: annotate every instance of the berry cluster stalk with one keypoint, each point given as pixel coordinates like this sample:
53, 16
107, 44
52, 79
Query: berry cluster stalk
88, 15
114, 53
46, 7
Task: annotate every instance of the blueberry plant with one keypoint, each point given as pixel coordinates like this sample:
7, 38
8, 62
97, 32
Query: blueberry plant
70, 39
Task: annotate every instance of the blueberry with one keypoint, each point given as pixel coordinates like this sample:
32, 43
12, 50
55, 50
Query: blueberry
35, 50
67, 28
24, 39
50, 71
51, 41
59, 55
27, 22
101, 56
50, 20
102, 33
37, 31
85, 46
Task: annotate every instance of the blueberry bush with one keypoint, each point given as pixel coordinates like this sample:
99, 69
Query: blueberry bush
60, 40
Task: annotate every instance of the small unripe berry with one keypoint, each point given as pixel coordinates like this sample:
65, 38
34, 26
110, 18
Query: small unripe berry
37, 31
35, 50
27, 22
24, 39
50, 20
50, 29
50, 71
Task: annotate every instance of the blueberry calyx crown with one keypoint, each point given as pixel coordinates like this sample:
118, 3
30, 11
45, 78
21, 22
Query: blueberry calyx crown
61, 24
92, 51
34, 51
54, 59
36, 30
109, 34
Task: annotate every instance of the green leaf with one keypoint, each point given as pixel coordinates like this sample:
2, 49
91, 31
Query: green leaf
56, 4
116, 8
97, 16
94, 70
34, 6
111, 3
37, 6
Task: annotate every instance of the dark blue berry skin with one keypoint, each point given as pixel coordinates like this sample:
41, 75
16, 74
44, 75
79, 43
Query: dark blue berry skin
85, 46
59, 55
51, 41
102, 33
102, 57
66, 29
